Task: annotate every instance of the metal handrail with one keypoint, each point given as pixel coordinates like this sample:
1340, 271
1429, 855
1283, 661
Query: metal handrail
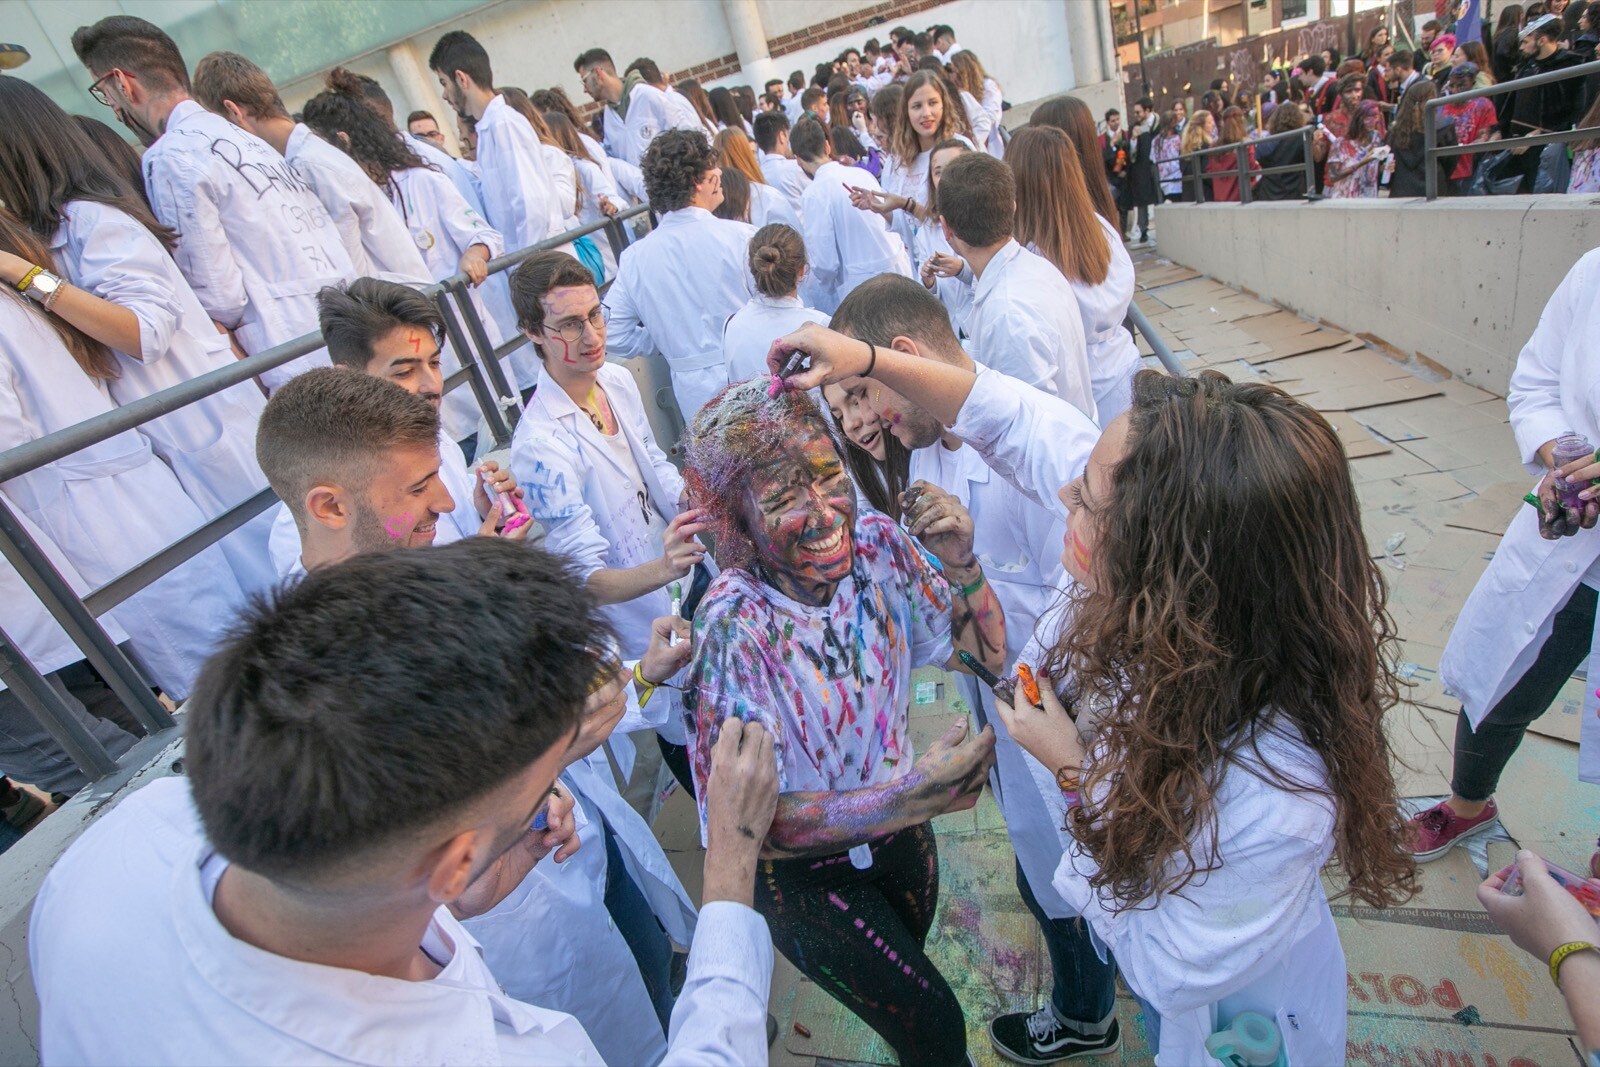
1241, 151
78, 616
1432, 152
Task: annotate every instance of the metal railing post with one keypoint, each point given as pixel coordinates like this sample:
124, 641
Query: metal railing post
505, 396
51, 712
1199, 181
1242, 154
1430, 148
1311, 160
488, 403
83, 628
1168, 358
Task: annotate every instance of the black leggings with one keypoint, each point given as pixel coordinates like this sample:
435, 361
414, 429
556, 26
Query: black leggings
1483, 753
859, 935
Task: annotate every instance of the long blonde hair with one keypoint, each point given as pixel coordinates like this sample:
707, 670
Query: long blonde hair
1195, 136
735, 152
1054, 212
907, 145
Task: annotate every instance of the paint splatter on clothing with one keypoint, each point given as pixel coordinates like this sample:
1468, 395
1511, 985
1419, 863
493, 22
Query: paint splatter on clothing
859, 934
831, 683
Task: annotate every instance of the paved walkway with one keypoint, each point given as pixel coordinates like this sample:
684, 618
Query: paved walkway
1438, 479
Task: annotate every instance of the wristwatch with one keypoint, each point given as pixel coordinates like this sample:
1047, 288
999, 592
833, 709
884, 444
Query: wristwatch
39, 285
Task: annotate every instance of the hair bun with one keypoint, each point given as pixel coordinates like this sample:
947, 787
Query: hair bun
768, 254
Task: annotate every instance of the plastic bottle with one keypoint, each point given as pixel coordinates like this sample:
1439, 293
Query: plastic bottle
1568, 447
1251, 1040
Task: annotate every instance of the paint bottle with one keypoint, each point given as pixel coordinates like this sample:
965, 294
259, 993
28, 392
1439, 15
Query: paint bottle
1568, 447
1251, 1040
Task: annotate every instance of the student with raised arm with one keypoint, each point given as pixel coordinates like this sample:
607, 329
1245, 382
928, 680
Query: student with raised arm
253, 240
297, 883
813, 627
1240, 691
677, 286
373, 233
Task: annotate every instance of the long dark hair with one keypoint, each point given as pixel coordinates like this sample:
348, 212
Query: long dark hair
95, 358
556, 99
342, 108
725, 108
1407, 126
47, 161
1072, 117
119, 154
1223, 611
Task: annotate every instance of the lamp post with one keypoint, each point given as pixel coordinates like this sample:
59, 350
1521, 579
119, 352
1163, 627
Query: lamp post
1350, 27
1138, 29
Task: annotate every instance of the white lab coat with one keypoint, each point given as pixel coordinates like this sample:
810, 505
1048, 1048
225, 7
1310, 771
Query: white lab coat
210, 444
1509, 614
372, 231
650, 112
1025, 321
519, 194
786, 176
253, 240
1255, 934
110, 506
982, 122
460, 176
442, 227
459, 480
1113, 355
753, 328
684, 114
138, 884
675, 289
552, 942
768, 205
994, 104
910, 180
955, 293
845, 246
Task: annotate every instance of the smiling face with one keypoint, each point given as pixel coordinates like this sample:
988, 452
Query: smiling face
860, 426
913, 426
408, 356
402, 502
925, 110
1086, 497
800, 512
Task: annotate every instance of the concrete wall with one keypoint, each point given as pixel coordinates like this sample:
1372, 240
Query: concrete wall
1459, 281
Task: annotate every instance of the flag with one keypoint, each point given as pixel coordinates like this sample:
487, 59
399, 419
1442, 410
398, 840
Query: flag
1469, 27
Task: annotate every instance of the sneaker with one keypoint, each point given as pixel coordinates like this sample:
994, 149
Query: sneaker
1438, 830
1040, 1038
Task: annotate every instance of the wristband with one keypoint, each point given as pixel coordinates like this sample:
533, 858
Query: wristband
871, 363
27, 279
968, 590
1560, 954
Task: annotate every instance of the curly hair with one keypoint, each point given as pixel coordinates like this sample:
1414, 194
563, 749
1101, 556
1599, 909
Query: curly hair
673, 165
1234, 598
342, 108
737, 431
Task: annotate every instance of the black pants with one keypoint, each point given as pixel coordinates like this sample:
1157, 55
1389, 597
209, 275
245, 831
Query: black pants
676, 757
859, 935
1483, 753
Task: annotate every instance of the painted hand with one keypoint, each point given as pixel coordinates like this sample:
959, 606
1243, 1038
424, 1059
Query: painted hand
1557, 521
1047, 733
680, 549
938, 520
955, 767
492, 480
833, 357
1544, 916
742, 795
663, 659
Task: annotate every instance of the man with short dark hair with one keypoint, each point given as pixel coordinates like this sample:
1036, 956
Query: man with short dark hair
684, 116
422, 124
1024, 318
1543, 108
814, 104
679, 284
944, 42
253, 240
776, 158
844, 246
368, 753
791, 103
634, 111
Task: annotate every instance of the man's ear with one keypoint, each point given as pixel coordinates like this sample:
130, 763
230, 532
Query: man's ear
902, 343
454, 863
235, 114
328, 505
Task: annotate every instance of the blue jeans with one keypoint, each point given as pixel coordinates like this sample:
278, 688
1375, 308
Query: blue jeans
651, 949
1083, 993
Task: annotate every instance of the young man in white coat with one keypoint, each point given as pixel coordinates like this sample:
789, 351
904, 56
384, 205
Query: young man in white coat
519, 196
678, 285
777, 160
635, 111
844, 246
253, 240
373, 232
1017, 539
296, 883
1024, 317
389, 331
1530, 620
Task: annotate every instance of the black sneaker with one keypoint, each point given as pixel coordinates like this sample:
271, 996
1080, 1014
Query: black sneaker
1039, 1038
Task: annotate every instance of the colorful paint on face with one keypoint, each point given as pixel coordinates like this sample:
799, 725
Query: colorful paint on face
914, 427
403, 501
800, 511
397, 526
409, 357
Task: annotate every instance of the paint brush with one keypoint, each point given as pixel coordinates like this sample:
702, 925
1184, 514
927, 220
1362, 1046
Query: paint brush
677, 608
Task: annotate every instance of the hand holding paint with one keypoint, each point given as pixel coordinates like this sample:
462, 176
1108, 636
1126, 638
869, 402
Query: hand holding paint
669, 650
1046, 729
680, 550
491, 479
832, 357
677, 608
1541, 911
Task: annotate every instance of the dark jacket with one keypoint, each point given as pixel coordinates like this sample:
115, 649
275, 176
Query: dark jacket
1141, 184
1505, 56
1557, 106
1410, 177
1287, 186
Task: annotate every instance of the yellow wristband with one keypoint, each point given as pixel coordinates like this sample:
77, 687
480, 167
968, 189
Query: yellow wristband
649, 686
27, 279
1560, 954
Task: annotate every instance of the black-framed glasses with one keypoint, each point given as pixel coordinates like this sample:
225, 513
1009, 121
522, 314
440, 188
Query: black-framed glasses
571, 330
98, 93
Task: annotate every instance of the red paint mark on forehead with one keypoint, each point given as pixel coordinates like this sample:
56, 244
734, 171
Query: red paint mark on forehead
416, 341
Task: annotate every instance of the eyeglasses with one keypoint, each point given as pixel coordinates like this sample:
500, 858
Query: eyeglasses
436, 136
572, 330
98, 93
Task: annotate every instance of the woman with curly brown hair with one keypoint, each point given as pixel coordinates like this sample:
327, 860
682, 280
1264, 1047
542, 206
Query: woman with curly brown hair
1226, 659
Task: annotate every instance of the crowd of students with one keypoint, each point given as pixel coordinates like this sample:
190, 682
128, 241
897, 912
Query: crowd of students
918, 433
1367, 117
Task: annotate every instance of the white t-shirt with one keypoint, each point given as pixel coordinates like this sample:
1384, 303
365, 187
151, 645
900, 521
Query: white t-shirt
642, 526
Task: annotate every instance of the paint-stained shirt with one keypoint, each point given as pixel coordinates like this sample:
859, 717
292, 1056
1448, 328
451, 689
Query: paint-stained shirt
831, 683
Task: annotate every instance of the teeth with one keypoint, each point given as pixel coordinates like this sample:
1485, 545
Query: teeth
827, 544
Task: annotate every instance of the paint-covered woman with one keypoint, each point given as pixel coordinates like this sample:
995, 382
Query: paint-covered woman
813, 627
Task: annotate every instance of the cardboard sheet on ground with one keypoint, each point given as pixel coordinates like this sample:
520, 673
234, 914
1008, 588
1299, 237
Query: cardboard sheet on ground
1278, 325
1356, 397
1395, 464
1491, 511
1193, 293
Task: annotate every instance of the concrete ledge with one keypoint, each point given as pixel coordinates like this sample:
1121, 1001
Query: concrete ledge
1461, 282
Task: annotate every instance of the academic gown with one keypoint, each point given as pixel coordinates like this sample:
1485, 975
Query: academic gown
846, 246
1025, 321
253, 240
675, 289
210, 444
753, 328
110, 506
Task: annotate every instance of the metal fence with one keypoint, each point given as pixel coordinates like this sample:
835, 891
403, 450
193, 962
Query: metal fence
79, 616
1430, 122
1242, 152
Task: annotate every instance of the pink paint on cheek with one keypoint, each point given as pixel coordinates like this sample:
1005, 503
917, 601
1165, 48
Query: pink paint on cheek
1080, 552
398, 526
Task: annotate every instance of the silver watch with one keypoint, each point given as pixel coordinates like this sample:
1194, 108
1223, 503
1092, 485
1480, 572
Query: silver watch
43, 287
